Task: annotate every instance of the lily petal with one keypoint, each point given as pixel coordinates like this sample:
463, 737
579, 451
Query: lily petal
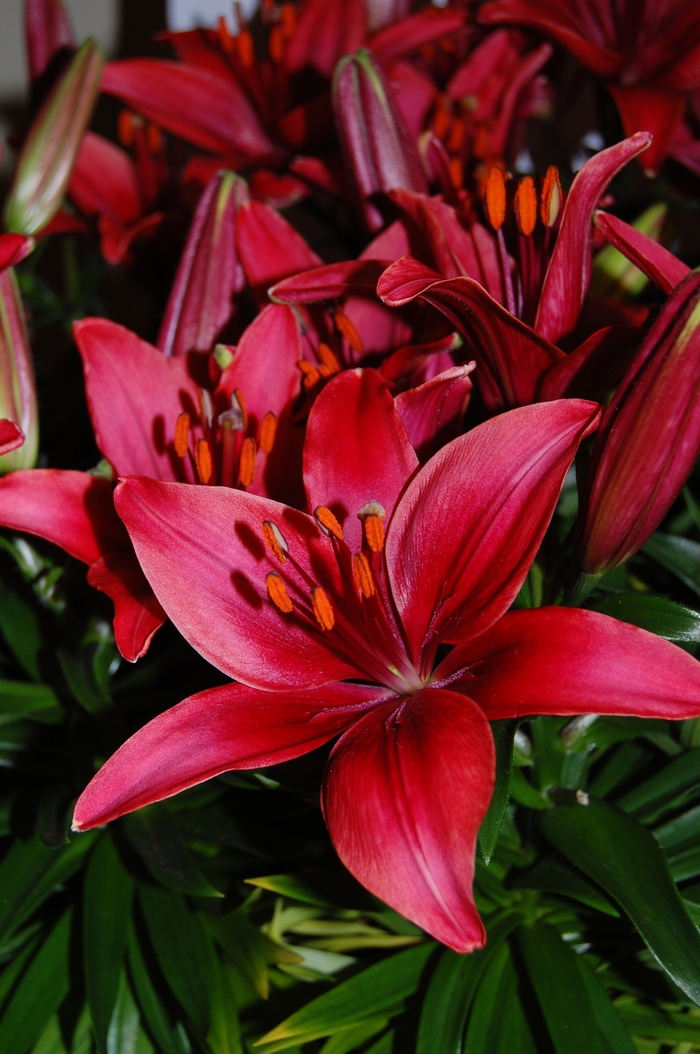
135, 395
202, 550
657, 263
233, 727
11, 436
467, 528
137, 613
105, 181
569, 661
658, 112
404, 794
356, 450
13, 248
595, 367
432, 413
269, 247
568, 275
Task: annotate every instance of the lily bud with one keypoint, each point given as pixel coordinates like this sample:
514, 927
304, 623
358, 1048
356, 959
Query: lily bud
374, 137
209, 274
19, 423
648, 440
47, 34
49, 152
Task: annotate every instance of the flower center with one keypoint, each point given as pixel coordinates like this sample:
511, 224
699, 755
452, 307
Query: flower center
352, 607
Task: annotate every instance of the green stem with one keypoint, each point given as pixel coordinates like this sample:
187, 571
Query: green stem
586, 583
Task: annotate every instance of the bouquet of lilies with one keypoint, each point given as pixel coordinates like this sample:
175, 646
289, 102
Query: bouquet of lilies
381, 463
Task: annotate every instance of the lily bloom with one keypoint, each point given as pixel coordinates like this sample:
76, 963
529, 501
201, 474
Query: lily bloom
334, 623
648, 54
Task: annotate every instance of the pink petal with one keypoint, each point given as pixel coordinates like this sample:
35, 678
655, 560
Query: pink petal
135, 396
330, 282
432, 413
595, 367
208, 276
47, 32
405, 791
71, 509
511, 357
137, 613
11, 436
269, 247
324, 33
410, 34
469, 525
568, 275
657, 263
105, 181
569, 661
201, 549
233, 727
356, 450
194, 104
657, 112
13, 248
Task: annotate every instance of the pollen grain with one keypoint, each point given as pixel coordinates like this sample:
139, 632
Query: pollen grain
182, 434
246, 464
268, 430
327, 522
323, 609
275, 540
362, 574
526, 206
277, 592
203, 461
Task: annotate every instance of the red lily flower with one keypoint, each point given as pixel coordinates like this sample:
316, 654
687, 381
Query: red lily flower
331, 623
647, 54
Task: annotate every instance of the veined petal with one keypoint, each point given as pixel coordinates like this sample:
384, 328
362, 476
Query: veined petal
13, 248
330, 282
137, 613
11, 436
47, 31
658, 112
432, 413
511, 357
233, 727
325, 32
657, 263
356, 450
405, 791
269, 247
71, 509
202, 550
569, 661
594, 367
406, 35
135, 395
467, 528
105, 182
195, 104
566, 282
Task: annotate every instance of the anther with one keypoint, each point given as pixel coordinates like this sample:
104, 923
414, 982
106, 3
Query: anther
182, 434
525, 206
371, 516
224, 34
550, 202
268, 430
328, 358
125, 127
310, 374
275, 44
277, 592
275, 540
495, 197
362, 574
322, 608
246, 49
246, 464
345, 326
202, 460
154, 139
327, 522
289, 20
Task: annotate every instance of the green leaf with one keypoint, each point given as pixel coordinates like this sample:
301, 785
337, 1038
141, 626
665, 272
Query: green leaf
551, 876
156, 837
384, 1046
680, 556
378, 991
292, 887
225, 1033
554, 974
663, 617
664, 787
41, 990
627, 862
106, 911
80, 675
352, 1038
21, 628
29, 874
503, 736
23, 699
492, 1002
659, 1024
452, 989
123, 1033
250, 950
182, 950
154, 1013
604, 1013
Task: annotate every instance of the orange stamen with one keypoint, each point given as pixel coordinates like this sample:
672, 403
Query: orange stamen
238, 402
289, 20
322, 609
182, 434
275, 540
458, 133
203, 461
495, 195
246, 49
154, 139
525, 206
374, 533
246, 464
268, 430
456, 172
552, 195
441, 120
275, 44
125, 127
277, 592
362, 574
311, 375
347, 328
328, 358
327, 522
225, 36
